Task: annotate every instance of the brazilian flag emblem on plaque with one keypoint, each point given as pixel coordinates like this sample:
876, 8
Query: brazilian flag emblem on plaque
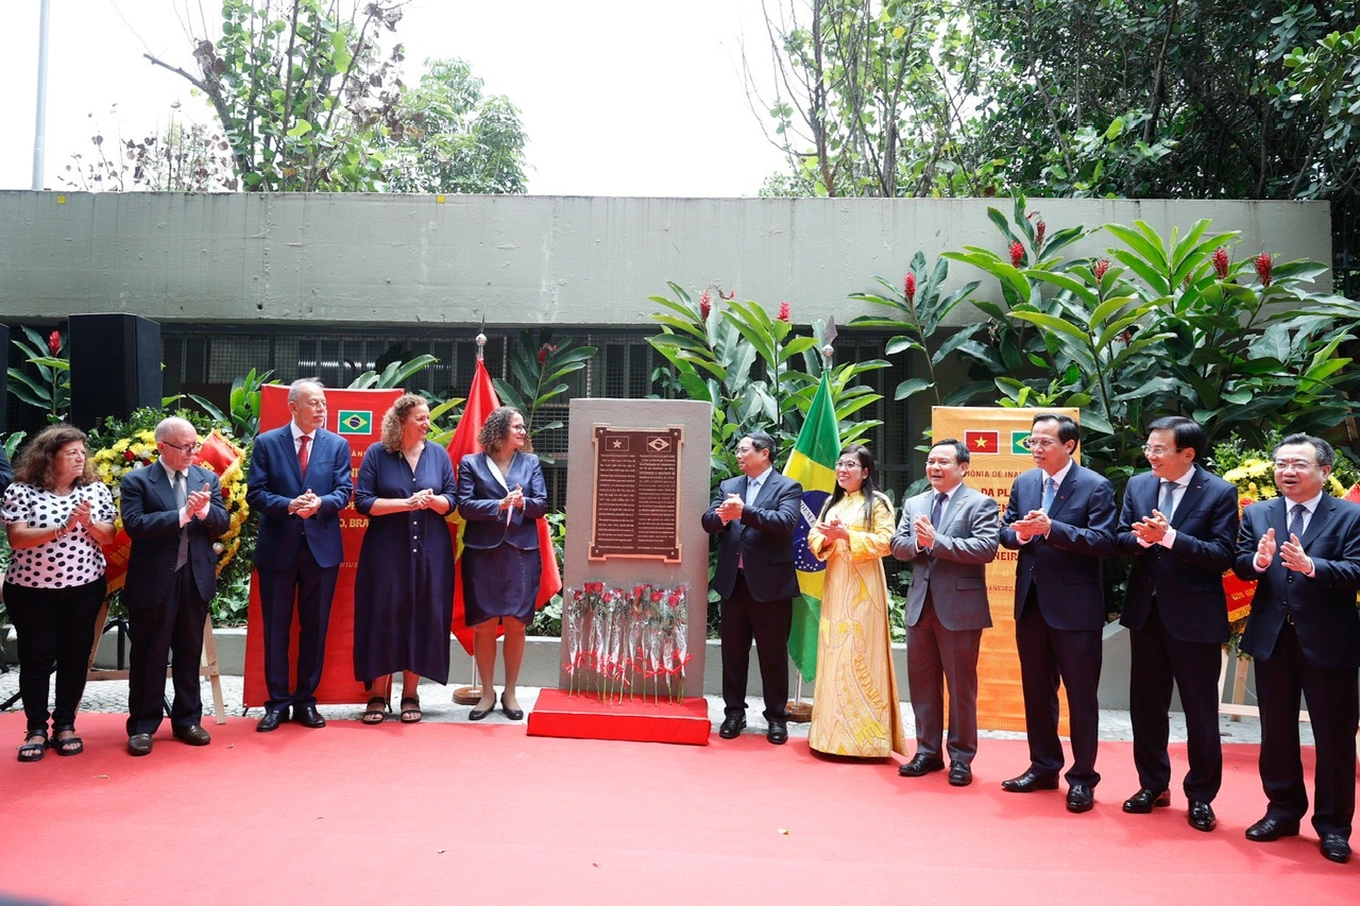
354, 421
1020, 443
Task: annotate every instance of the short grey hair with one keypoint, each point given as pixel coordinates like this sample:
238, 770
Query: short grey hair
295, 388
167, 426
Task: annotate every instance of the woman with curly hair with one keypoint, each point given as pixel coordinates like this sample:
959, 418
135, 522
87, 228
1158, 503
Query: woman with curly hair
502, 495
57, 514
403, 590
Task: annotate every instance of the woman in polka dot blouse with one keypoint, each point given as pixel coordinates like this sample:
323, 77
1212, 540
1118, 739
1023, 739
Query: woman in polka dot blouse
57, 514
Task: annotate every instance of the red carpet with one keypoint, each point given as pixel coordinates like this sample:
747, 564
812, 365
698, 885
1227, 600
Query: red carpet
458, 813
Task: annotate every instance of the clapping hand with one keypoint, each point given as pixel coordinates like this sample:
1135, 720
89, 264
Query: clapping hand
731, 509
1265, 549
834, 530
925, 532
195, 503
1151, 529
1293, 557
1035, 522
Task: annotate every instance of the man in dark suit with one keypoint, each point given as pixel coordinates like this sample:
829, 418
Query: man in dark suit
1179, 524
1303, 551
949, 534
173, 511
1061, 519
300, 480
754, 516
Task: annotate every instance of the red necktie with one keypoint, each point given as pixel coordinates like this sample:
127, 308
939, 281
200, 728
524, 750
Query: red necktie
302, 453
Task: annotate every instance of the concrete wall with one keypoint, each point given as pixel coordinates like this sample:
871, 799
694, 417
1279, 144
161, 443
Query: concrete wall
522, 260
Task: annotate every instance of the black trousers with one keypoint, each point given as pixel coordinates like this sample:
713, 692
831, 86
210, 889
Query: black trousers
1073, 656
1333, 710
311, 587
1157, 660
56, 629
174, 628
768, 623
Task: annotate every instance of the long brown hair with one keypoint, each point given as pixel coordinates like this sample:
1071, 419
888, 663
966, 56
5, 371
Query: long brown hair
36, 462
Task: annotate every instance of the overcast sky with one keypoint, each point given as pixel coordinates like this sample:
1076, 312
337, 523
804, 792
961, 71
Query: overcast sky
618, 97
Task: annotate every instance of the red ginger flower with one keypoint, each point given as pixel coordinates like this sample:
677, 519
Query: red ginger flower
1220, 259
1102, 265
784, 311
909, 287
706, 304
1039, 229
544, 351
54, 342
1263, 263
1017, 253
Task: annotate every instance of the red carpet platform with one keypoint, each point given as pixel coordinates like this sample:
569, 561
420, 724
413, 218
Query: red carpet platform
586, 717
465, 813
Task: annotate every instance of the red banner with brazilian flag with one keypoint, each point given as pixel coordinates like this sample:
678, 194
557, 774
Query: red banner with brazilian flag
813, 465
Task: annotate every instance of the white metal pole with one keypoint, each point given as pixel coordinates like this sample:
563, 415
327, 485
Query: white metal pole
40, 127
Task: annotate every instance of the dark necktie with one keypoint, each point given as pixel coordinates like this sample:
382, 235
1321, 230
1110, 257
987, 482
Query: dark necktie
1296, 519
938, 509
182, 556
1050, 491
1167, 501
302, 453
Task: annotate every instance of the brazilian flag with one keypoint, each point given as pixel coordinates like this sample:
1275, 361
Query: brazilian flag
812, 464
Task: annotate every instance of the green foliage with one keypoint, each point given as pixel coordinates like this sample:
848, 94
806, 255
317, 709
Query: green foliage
395, 374
744, 363
538, 369
447, 137
50, 389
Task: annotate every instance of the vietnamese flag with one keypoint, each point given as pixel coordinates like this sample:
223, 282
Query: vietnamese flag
481, 400
982, 441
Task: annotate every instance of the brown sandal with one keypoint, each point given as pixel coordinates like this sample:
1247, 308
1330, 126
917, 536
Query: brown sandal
377, 711
410, 711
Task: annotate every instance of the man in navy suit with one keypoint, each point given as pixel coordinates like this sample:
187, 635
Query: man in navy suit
754, 517
1303, 551
1061, 519
300, 480
1179, 524
173, 511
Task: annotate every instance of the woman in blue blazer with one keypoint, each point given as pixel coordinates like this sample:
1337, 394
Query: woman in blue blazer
502, 495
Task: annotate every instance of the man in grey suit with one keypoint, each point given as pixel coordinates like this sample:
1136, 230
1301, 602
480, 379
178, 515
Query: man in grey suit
949, 534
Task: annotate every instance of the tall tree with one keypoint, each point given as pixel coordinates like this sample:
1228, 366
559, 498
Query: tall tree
446, 136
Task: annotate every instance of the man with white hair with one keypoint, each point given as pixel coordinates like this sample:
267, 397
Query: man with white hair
173, 512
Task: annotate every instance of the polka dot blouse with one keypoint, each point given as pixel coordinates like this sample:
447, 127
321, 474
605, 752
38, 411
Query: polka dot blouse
71, 560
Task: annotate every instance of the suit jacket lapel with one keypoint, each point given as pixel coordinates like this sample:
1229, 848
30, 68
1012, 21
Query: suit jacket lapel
1064, 490
1190, 497
951, 511
1321, 516
160, 480
1278, 520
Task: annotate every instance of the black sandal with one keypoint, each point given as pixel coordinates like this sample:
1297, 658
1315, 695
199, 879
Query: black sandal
33, 751
411, 714
71, 745
375, 717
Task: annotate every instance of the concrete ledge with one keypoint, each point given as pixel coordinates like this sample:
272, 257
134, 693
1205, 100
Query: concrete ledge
541, 665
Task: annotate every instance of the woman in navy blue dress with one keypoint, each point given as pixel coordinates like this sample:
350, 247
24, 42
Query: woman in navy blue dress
403, 591
502, 495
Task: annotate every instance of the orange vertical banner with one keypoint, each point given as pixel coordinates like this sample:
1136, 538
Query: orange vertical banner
997, 441
355, 415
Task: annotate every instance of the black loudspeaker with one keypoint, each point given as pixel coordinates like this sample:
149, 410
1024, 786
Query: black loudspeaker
4, 382
115, 366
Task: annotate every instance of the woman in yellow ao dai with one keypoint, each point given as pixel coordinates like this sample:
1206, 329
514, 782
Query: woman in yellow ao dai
855, 709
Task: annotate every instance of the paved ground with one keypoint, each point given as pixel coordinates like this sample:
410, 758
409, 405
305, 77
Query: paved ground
111, 696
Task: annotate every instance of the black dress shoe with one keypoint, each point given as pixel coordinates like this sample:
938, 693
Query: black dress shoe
194, 736
1201, 816
271, 720
512, 713
778, 734
1145, 800
920, 766
960, 774
732, 726
308, 716
1080, 798
1269, 829
140, 744
1028, 782
479, 713
1335, 848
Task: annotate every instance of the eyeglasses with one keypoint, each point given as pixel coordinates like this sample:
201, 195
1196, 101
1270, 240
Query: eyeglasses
1042, 443
187, 449
849, 464
519, 429
1297, 465
1158, 451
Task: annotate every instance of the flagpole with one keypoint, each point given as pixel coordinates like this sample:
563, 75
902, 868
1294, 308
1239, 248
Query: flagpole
471, 694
